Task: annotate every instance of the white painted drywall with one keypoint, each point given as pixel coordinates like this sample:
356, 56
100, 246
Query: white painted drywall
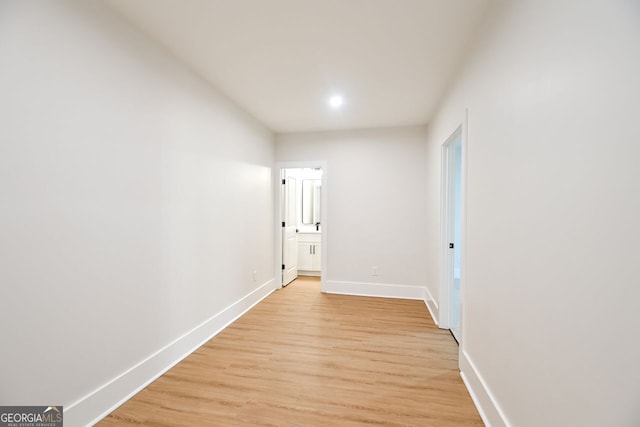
136, 200
376, 201
551, 315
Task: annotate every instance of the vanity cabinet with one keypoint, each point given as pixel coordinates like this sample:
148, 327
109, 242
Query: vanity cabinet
309, 253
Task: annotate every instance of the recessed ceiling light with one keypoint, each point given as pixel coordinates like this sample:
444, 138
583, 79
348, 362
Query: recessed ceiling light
336, 101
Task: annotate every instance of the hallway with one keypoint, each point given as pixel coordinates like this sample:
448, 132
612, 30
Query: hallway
305, 358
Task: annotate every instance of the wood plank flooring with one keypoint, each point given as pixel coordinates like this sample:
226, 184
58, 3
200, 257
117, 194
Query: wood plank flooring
303, 358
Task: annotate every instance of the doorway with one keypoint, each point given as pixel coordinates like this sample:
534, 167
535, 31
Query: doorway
301, 220
452, 199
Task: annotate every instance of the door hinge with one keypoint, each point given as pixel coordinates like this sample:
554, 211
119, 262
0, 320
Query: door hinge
283, 266
283, 224
284, 181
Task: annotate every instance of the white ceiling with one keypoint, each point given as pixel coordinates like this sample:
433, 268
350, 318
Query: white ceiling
280, 60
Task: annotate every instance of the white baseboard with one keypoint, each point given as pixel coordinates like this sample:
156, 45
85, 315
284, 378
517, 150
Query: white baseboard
432, 305
102, 401
490, 412
309, 273
381, 290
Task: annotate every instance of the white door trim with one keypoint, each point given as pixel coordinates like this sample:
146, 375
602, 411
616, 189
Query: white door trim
278, 214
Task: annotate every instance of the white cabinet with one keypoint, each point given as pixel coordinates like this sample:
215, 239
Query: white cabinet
309, 256
309, 253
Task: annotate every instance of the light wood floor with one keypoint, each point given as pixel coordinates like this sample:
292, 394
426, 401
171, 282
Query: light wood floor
303, 358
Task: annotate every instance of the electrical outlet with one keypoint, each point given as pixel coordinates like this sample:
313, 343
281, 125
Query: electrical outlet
374, 270
254, 275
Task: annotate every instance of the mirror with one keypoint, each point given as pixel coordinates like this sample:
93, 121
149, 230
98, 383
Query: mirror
311, 201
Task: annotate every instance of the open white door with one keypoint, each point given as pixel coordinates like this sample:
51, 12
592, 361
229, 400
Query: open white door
289, 231
452, 230
456, 207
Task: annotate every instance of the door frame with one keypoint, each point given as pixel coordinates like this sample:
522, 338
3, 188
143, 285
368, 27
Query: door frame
447, 224
277, 173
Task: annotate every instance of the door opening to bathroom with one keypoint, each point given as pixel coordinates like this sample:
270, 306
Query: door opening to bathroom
301, 210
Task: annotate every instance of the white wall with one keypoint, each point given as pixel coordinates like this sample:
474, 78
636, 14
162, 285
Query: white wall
551, 318
375, 201
136, 200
